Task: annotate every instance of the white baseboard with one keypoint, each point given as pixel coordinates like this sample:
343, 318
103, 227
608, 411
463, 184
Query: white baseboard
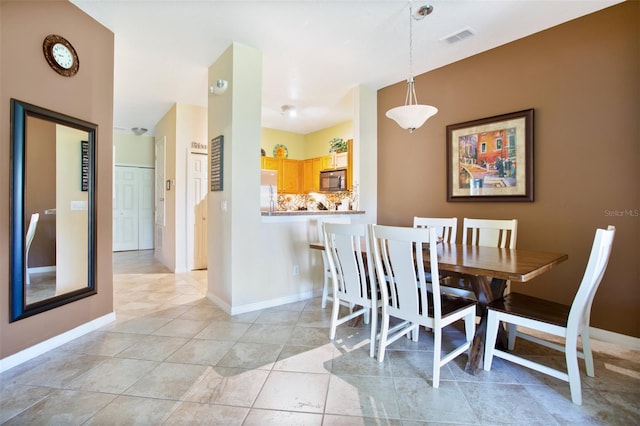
52, 343
234, 310
41, 269
615, 338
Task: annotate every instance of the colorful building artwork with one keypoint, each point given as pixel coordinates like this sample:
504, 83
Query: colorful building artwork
488, 159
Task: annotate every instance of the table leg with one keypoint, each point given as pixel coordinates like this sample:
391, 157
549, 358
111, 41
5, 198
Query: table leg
486, 290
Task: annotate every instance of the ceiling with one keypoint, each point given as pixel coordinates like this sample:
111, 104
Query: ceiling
314, 52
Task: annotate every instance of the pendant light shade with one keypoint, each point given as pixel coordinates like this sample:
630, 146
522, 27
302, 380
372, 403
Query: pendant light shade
412, 115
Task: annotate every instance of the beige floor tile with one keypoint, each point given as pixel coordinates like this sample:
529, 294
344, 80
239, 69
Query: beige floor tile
129, 410
55, 369
308, 336
17, 398
304, 392
173, 357
306, 359
419, 401
112, 375
284, 317
223, 330
416, 364
153, 348
358, 363
181, 328
191, 413
63, 407
505, 404
251, 355
335, 420
168, 380
228, 386
101, 343
258, 417
362, 396
136, 325
267, 333
198, 351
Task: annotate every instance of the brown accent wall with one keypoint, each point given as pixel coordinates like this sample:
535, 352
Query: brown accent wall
583, 80
25, 75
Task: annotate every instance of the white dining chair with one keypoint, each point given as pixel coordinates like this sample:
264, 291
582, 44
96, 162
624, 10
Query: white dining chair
352, 276
567, 322
502, 233
446, 227
326, 279
397, 251
447, 230
31, 232
490, 232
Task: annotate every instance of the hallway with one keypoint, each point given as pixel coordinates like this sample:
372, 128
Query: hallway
174, 358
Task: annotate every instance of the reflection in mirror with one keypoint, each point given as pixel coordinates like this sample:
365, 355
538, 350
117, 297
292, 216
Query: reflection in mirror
52, 209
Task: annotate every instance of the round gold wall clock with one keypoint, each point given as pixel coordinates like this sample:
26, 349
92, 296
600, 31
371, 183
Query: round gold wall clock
60, 55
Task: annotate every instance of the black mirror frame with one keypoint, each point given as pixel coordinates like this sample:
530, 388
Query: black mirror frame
17, 295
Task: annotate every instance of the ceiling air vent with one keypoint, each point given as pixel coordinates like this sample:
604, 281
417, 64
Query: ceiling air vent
460, 35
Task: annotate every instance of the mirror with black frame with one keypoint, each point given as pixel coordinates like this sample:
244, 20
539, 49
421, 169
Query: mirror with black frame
52, 209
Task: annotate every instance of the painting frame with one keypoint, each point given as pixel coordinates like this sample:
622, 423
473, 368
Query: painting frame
491, 159
84, 166
216, 163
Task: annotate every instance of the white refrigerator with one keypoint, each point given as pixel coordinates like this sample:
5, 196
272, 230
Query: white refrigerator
268, 190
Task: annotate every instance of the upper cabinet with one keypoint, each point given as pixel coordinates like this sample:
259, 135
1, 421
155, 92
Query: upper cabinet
311, 174
291, 176
336, 160
289, 173
303, 176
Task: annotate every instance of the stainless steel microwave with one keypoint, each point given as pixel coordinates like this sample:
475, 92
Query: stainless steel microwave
333, 180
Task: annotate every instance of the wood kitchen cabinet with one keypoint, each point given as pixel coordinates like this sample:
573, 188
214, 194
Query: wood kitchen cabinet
289, 173
327, 162
311, 174
303, 176
338, 160
270, 163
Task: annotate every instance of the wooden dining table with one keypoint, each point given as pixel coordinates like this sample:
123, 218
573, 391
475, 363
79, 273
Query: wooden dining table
487, 270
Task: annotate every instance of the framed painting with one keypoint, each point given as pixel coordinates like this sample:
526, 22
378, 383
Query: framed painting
491, 159
216, 158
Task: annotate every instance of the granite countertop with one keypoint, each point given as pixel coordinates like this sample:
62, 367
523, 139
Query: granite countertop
311, 212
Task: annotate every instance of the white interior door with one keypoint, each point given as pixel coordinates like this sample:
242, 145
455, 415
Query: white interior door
197, 208
125, 209
133, 208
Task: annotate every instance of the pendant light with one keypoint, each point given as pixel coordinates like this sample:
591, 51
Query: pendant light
412, 115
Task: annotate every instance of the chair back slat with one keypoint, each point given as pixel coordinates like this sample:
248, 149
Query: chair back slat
321, 222
347, 246
579, 315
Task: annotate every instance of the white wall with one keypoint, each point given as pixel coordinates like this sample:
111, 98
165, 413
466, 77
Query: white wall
72, 226
365, 162
251, 258
191, 126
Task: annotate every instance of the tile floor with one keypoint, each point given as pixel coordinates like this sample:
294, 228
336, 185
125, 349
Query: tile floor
174, 358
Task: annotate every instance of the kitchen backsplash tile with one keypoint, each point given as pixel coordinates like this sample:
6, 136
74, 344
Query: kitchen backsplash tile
332, 201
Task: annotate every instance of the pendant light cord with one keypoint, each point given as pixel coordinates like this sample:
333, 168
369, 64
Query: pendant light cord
411, 98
